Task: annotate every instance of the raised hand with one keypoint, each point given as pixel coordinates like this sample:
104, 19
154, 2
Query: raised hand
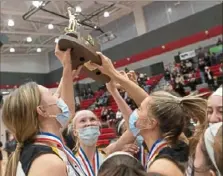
63, 56
131, 148
107, 67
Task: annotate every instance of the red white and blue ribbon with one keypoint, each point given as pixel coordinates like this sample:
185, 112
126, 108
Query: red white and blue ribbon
156, 148
142, 155
48, 137
91, 170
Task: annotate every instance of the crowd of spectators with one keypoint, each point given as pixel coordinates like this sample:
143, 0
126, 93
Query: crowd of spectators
184, 74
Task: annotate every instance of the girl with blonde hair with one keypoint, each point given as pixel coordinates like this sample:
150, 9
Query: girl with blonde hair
36, 117
160, 120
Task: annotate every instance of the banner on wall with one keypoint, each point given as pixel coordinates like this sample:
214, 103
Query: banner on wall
187, 55
216, 49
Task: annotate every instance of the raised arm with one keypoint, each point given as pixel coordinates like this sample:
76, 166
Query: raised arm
126, 138
65, 89
66, 92
136, 92
122, 105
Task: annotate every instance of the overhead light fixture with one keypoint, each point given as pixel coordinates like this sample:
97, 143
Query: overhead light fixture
56, 40
5, 93
169, 10
50, 26
95, 27
106, 14
37, 4
78, 9
29, 39
38, 50
12, 50
11, 22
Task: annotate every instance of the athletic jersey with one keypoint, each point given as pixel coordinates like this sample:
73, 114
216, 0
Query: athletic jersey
32, 151
179, 154
87, 167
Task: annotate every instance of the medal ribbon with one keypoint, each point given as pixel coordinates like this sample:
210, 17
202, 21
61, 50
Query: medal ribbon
48, 137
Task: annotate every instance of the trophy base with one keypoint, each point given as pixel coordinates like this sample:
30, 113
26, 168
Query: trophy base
82, 52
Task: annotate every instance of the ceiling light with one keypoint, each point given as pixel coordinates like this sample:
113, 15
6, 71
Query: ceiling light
106, 14
78, 9
29, 39
11, 22
38, 50
37, 3
56, 40
12, 50
169, 10
95, 27
50, 26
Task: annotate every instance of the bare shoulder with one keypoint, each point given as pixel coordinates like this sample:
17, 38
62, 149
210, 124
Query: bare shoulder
48, 165
165, 167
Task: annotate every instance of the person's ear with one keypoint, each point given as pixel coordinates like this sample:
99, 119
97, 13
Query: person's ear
75, 132
212, 173
41, 111
152, 123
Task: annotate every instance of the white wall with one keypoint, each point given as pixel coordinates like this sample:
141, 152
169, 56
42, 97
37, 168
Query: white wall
54, 63
156, 14
25, 64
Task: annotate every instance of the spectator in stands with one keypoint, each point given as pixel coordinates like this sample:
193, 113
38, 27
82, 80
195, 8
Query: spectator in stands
179, 85
192, 81
219, 42
118, 115
189, 65
111, 117
209, 78
167, 75
90, 93
200, 53
105, 99
183, 68
201, 66
207, 58
84, 93
104, 113
216, 85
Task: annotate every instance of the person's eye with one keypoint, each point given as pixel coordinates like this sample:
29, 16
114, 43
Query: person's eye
209, 111
82, 121
93, 119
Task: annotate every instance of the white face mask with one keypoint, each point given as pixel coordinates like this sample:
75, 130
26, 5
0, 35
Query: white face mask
89, 135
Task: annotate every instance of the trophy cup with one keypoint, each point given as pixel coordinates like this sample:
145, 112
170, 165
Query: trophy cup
83, 49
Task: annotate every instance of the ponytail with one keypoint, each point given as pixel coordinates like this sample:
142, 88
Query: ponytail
13, 161
173, 113
195, 108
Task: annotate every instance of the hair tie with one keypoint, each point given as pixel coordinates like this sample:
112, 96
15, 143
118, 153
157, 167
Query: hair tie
19, 146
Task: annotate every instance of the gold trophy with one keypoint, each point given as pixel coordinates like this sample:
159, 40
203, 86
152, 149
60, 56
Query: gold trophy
83, 48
